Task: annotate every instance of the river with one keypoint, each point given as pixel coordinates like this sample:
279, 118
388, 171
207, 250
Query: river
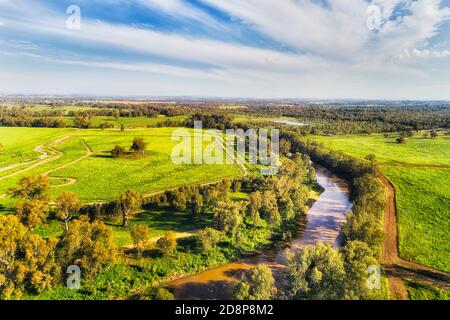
321, 224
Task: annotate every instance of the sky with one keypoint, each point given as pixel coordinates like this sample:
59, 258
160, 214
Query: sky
305, 49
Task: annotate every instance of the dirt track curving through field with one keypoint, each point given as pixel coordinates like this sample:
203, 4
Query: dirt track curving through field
48, 154
70, 181
396, 268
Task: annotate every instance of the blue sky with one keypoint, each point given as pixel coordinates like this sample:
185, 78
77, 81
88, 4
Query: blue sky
228, 48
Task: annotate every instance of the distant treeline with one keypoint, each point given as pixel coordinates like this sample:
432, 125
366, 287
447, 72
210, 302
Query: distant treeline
325, 119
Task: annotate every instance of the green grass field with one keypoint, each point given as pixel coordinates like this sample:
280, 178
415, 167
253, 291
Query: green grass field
423, 202
416, 151
420, 292
18, 143
100, 177
418, 170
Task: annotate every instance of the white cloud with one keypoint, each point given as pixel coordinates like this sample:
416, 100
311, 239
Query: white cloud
337, 55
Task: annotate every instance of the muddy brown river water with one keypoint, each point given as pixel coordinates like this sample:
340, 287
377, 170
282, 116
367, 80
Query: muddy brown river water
321, 224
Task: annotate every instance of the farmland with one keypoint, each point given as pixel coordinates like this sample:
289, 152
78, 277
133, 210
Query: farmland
420, 172
99, 176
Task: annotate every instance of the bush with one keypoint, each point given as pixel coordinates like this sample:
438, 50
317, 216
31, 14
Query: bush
167, 244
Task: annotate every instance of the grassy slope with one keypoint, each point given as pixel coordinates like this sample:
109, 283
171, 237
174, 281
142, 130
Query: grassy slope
423, 193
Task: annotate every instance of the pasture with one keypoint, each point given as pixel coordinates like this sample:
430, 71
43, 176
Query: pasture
417, 150
420, 172
99, 177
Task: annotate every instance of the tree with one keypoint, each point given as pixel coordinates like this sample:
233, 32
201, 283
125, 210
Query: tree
39, 257
227, 217
67, 205
138, 146
140, 235
91, 246
32, 213
260, 285
167, 244
209, 238
254, 205
372, 158
358, 258
312, 175
401, 140
118, 151
116, 114
12, 234
300, 197
129, 201
32, 188
286, 207
270, 207
196, 203
315, 273
82, 122
285, 147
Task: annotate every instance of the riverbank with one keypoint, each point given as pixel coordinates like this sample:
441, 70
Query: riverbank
321, 224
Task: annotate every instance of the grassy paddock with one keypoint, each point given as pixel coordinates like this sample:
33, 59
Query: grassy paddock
420, 292
100, 177
423, 202
423, 190
417, 150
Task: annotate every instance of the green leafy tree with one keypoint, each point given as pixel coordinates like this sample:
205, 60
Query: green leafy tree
32, 213
209, 238
372, 158
196, 203
316, 273
140, 235
254, 206
270, 207
39, 258
67, 205
12, 234
118, 151
401, 140
260, 285
358, 258
33, 188
129, 201
91, 246
167, 244
227, 217
138, 146
312, 175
